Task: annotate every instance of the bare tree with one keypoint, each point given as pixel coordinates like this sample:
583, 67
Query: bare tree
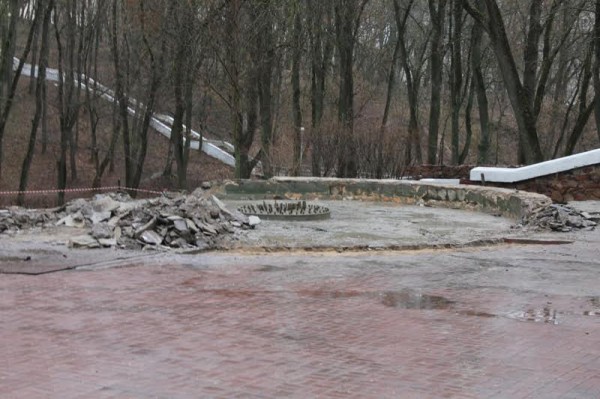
596, 70
482, 100
413, 72
47, 7
438, 17
138, 50
185, 30
296, 89
8, 80
488, 14
380, 150
263, 17
347, 22
320, 26
456, 79
243, 91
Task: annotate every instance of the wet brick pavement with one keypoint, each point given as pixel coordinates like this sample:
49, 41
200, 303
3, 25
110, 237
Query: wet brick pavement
509, 322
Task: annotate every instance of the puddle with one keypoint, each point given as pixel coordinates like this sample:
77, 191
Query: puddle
14, 259
544, 315
413, 300
232, 293
332, 294
270, 268
192, 282
476, 313
394, 299
548, 315
44, 251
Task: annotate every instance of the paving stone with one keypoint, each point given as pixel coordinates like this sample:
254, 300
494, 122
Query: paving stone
405, 325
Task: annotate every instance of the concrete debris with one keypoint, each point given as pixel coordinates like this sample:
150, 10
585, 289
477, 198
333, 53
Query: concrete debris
237, 215
253, 220
102, 231
195, 221
98, 217
107, 242
76, 220
84, 241
561, 218
105, 204
151, 237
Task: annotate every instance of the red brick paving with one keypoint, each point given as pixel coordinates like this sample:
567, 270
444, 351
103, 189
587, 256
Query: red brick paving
239, 331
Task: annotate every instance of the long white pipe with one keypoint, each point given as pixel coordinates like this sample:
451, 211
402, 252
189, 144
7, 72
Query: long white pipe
207, 147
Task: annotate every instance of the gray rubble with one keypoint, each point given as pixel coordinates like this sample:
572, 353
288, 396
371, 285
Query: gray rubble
194, 221
561, 218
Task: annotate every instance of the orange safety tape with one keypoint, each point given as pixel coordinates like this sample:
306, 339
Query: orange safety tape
78, 190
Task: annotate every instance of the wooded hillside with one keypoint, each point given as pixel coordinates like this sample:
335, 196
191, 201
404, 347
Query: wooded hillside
323, 87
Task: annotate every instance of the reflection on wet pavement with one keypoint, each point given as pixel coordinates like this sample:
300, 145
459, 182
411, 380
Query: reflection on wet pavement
544, 315
411, 300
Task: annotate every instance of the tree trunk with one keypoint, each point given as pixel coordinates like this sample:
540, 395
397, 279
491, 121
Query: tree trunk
490, 17
456, 78
122, 99
437, 22
189, 108
39, 99
68, 92
468, 124
412, 86
585, 110
379, 167
7, 51
596, 41
347, 13
7, 93
243, 91
483, 156
34, 61
177, 133
265, 58
321, 50
296, 104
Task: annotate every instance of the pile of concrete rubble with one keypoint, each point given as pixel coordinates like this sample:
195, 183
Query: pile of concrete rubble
560, 218
195, 221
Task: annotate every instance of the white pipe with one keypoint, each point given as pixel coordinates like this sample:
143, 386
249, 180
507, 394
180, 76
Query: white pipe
207, 147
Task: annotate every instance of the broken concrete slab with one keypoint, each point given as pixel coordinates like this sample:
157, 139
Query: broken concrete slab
102, 231
145, 227
83, 241
75, 220
151, 237
107, 242
237, 215
253, 221
174, 217
98, 217
104, 203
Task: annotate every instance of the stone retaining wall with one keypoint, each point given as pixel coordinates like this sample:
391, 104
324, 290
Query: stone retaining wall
507, 202
417, 172
575, 185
